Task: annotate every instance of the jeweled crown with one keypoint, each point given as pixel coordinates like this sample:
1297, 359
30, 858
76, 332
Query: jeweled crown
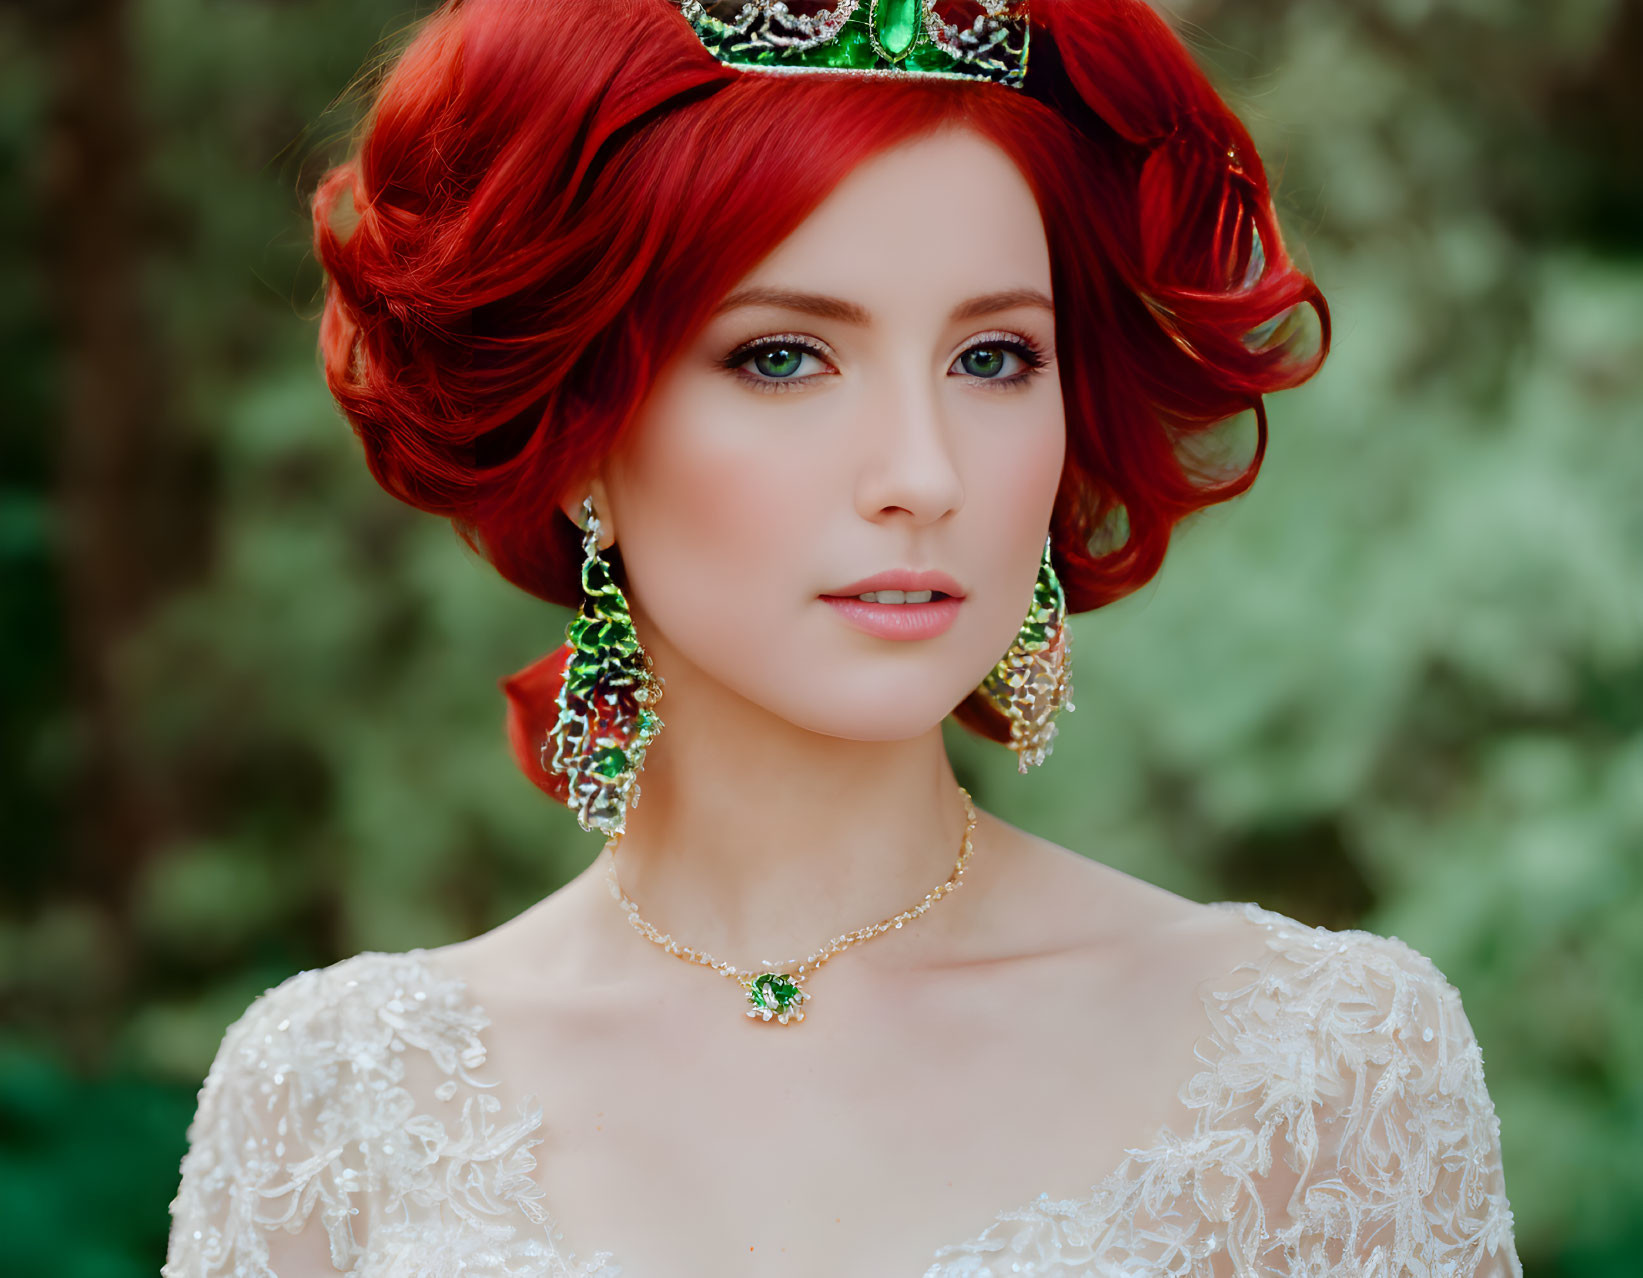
871, 37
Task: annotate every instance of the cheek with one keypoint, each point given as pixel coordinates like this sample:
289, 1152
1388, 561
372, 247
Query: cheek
1012, 504
718, 522
1024, 468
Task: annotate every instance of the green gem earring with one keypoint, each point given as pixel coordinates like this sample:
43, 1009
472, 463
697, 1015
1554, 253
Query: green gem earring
1032, 682
605, 718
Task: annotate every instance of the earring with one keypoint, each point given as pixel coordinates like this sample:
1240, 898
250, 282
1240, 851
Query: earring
1033, 680
605, 718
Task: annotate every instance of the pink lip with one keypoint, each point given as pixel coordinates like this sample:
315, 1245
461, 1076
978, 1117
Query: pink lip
899, 621
900, 579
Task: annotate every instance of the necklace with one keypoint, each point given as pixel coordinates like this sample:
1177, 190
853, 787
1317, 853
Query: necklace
777, 990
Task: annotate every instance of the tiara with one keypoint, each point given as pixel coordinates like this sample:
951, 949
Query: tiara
868, 37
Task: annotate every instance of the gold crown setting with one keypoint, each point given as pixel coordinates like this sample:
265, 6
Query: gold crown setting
868, 37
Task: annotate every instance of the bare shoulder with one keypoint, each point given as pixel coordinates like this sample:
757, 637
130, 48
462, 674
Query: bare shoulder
520, 959
1074, 903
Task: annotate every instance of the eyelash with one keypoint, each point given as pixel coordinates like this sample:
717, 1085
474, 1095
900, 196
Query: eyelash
1030, 352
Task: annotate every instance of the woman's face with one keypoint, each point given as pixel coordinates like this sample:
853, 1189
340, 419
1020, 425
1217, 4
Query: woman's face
878, 396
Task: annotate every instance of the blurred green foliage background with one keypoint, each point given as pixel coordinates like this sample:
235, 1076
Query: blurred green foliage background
251, 719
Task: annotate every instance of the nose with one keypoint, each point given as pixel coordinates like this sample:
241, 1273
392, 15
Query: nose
910, 464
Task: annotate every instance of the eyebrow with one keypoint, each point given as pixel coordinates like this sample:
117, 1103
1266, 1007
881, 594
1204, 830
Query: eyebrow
836, 308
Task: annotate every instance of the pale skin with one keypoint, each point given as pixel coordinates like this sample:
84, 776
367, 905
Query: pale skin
1029, 1026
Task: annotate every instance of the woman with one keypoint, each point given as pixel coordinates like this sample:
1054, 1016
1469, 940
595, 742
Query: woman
822, 356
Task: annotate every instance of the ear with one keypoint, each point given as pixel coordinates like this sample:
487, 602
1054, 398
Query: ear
571, 505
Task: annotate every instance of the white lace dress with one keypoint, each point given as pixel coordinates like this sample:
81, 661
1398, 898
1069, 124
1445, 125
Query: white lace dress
1343, 1130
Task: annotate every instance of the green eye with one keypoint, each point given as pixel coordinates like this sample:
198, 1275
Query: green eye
983, 361
986, 361
774, 363
778, 361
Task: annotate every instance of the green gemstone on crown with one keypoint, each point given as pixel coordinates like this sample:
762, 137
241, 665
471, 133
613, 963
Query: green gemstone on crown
896, 25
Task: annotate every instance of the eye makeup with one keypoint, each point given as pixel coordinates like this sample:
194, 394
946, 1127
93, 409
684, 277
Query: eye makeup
1031, 354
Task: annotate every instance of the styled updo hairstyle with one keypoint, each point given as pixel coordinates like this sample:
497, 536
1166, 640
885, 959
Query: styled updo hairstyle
548, 197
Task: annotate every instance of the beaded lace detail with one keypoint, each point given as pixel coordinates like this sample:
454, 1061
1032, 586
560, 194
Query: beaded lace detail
1342, 1130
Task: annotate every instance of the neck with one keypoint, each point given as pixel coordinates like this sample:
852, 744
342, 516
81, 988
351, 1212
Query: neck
758, 841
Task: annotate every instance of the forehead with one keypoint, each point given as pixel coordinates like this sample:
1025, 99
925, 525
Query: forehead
944, 221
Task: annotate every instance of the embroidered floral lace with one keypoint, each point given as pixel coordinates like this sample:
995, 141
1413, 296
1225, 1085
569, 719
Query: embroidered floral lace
1343, 1130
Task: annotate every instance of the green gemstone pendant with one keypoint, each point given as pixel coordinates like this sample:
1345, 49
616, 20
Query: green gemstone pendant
774, 994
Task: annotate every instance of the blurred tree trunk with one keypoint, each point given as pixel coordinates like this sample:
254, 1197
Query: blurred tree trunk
120, 460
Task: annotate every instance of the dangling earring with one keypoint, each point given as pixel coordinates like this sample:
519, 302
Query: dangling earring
605, 718
1033, 680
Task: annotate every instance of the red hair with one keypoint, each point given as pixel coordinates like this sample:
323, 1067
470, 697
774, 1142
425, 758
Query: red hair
550, 196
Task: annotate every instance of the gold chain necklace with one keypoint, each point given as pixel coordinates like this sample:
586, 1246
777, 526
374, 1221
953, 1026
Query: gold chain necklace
778, 991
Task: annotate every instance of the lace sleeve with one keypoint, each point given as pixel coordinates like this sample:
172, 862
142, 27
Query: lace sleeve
1400, 1173
273, 1163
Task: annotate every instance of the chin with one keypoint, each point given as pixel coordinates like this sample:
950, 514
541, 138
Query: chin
854, 717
